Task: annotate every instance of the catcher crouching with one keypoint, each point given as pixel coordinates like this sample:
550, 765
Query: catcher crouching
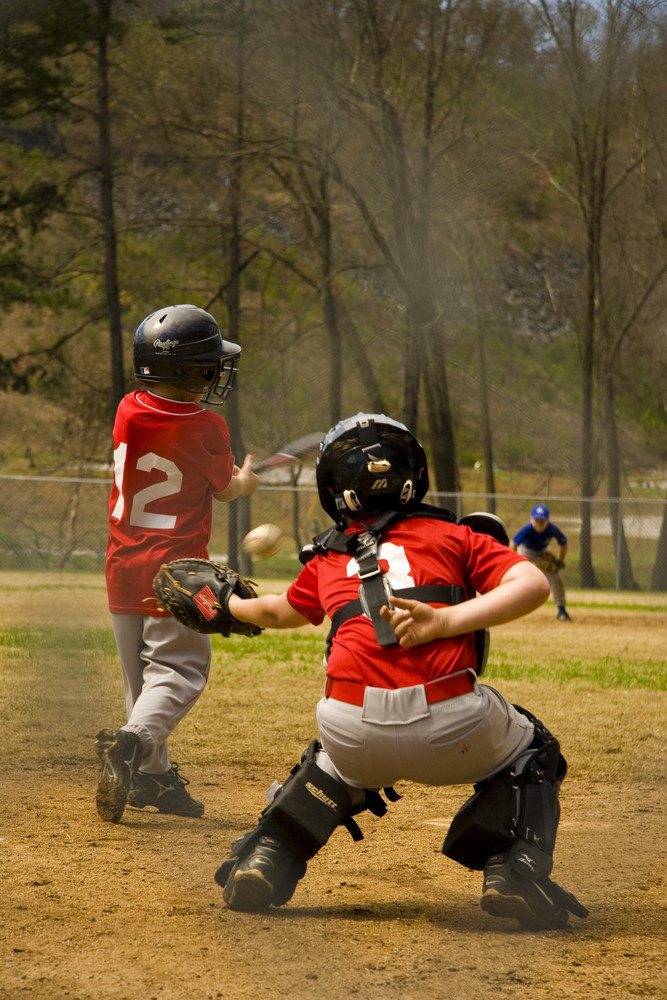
410, 594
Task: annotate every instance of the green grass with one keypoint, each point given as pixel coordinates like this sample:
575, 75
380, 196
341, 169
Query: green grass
299, 654
602, 672
618, 606
40, 639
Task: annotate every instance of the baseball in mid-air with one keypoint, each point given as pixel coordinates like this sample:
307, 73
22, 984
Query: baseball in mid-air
263, 541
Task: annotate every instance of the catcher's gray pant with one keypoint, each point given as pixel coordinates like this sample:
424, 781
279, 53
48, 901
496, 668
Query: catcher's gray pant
398, 735
555, 579
165, 669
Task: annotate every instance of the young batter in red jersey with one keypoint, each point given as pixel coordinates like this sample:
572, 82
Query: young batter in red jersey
172, 457
410, 593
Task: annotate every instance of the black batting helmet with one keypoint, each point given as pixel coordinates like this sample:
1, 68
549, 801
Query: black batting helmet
182, 345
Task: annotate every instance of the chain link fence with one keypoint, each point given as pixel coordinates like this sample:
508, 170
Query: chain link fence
61, 524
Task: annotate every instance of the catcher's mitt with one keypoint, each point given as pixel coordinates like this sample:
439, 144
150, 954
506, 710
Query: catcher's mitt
549, 563
197, 591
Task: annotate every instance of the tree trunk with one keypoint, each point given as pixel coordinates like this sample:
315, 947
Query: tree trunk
356, 349
239, 510
107, 207
586, 570
624, 573
426, 340
411, 383
485, 417
443, 444
659, 575
328, 300
487, 437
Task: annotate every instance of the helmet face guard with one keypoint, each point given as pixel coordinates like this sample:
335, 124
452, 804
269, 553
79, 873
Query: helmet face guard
225, 378
369, 464
182, 346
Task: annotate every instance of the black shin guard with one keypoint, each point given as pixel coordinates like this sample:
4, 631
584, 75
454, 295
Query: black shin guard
303, 814
265, 864
307, 808
517, 810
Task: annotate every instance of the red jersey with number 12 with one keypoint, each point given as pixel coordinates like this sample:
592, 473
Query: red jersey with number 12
169, 459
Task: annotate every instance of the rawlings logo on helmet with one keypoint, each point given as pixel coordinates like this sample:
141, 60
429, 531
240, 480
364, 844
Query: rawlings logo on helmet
165, 345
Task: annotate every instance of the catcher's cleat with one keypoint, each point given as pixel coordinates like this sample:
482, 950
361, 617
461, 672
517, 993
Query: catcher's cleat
563, 616
120, 754
164, 791
266, 876
539, 903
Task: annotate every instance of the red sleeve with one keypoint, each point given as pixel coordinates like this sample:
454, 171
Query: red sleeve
216, 454
486, 561
303, 594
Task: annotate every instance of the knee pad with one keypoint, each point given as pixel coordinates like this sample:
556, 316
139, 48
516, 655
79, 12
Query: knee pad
517, 810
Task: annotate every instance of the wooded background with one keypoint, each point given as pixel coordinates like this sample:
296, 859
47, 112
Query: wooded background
452, 212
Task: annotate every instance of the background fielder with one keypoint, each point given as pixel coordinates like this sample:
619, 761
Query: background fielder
532, 541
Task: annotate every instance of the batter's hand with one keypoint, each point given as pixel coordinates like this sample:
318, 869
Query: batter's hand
244, 481
413, 622
247, 477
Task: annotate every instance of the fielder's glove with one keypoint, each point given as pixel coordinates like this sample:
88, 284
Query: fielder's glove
549, 563
197, 591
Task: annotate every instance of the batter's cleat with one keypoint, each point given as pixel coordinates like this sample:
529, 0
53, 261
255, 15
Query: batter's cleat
164, 791
120, 754
266, 876
563, 616
538, 903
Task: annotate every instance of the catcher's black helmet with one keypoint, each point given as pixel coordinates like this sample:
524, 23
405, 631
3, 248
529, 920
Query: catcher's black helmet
368, 464
182, 345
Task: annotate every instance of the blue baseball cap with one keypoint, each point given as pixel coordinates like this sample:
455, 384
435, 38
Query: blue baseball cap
539, 510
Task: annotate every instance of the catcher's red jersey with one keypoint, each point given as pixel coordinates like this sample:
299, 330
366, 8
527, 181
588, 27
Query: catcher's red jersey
169, 458
412, 553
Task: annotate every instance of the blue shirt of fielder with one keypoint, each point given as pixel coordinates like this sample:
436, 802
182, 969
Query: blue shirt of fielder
538, 541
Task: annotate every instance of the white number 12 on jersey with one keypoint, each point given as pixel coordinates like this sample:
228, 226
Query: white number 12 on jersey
139, 516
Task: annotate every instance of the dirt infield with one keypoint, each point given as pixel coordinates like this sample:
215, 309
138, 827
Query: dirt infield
94, 911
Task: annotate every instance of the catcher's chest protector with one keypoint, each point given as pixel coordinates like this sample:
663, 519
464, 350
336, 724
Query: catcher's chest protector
374, 590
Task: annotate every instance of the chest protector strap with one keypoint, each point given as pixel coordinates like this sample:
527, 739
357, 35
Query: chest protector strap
375, 590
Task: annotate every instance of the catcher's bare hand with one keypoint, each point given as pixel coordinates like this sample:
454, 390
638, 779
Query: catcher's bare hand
413, 622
